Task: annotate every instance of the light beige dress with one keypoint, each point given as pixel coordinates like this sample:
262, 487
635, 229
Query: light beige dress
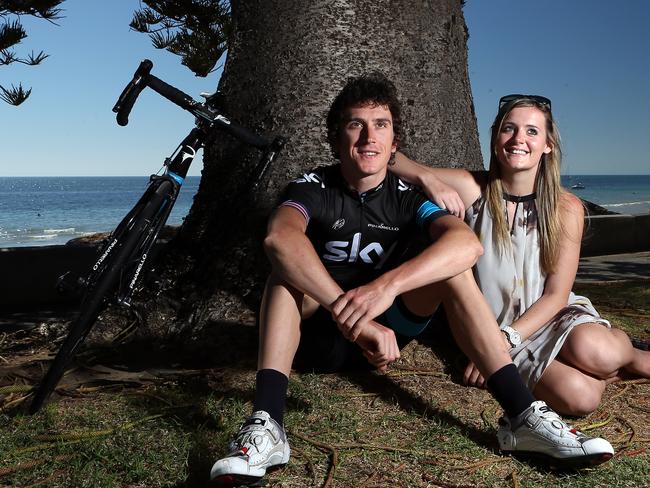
512, 281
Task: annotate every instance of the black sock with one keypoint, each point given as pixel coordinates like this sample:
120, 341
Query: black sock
509, 390
271, 393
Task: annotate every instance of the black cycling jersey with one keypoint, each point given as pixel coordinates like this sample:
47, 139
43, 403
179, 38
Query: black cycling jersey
358, 236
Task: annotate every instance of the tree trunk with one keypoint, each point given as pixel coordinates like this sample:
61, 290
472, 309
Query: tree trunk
286, 62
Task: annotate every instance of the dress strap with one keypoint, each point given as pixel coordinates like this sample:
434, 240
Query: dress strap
518, 199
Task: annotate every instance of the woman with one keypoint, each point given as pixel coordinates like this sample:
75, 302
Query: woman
531, 229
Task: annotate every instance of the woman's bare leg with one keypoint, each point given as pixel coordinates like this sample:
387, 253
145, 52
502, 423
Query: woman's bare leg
604, 353
569, 391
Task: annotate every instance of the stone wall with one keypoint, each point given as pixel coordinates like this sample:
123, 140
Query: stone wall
614, 234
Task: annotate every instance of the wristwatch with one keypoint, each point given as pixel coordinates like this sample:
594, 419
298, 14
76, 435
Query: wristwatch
514, 337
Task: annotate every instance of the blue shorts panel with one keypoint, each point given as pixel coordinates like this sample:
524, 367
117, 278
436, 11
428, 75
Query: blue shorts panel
403, 321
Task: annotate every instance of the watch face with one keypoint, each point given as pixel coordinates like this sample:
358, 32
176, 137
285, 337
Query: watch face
514, 338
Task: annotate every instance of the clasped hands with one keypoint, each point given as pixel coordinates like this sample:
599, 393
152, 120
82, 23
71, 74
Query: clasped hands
354, 313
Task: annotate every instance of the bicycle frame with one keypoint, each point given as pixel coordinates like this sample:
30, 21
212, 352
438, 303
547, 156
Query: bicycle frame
208, 120
116, 272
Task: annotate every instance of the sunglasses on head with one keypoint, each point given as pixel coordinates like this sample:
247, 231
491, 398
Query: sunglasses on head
536, 98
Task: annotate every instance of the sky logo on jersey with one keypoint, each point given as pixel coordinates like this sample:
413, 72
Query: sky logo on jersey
342, 251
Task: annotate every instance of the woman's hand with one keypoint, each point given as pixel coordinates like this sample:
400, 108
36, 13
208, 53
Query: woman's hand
443, 195
473, 376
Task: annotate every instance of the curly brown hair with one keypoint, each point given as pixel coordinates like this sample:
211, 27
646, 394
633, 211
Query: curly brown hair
370, 89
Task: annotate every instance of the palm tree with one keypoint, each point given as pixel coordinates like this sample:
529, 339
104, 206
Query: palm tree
12, 33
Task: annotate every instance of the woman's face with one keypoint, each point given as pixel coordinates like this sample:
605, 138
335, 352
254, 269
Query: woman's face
522, 140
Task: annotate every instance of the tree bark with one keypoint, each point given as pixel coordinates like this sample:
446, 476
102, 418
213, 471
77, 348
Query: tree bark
286, 62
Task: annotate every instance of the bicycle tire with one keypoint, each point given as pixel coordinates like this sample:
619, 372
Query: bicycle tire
127, 246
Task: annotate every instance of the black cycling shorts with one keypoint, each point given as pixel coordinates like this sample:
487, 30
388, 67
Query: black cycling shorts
323, 348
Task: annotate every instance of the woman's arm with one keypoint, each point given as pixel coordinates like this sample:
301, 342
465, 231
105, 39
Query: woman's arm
452, 189
560, 281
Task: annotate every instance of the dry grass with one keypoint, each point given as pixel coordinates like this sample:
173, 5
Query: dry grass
414, 427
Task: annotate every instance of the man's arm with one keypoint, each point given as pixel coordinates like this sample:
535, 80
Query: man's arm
455, 249
295, 260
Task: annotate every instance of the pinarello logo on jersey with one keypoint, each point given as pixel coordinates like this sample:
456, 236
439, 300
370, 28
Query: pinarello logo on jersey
392, 228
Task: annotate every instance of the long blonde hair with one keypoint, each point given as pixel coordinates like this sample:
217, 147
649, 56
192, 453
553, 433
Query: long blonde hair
547, 186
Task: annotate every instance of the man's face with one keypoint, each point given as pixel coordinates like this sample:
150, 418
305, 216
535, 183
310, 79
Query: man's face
366, 140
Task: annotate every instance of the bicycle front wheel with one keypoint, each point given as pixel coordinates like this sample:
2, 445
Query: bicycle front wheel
139, 229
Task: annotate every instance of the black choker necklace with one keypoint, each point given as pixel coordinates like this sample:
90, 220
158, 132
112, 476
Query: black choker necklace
524, 198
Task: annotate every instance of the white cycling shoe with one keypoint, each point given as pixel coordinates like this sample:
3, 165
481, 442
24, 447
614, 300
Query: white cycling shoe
260, 444
540, 432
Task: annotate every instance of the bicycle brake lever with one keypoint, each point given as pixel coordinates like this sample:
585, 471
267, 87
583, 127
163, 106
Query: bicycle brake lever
211, 99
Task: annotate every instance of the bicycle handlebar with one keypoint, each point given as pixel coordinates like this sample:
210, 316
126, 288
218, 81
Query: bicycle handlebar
129, 95
143, 78
241, 133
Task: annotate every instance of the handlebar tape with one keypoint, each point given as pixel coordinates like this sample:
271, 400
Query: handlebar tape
172, 94
240, 133
130, 94
143, 78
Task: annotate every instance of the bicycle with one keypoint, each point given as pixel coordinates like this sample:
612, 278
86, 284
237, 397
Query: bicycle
127, 251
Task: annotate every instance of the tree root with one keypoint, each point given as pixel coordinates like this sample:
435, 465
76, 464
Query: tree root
57, 440
334, 448
631, 438
310, 465
405, 371
326, 447
595, 425
33, 464
478, 464
515, 479
444, 484
15, 389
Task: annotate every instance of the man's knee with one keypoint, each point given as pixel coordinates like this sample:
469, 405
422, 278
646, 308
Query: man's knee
460, 286
422, 301
426, 300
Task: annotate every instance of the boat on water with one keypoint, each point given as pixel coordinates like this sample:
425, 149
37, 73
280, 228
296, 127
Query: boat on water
578, 186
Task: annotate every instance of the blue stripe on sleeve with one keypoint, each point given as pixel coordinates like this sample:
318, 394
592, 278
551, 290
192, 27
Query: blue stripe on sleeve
426, 210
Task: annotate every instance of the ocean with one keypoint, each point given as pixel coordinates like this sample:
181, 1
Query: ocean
37, 211
41, 211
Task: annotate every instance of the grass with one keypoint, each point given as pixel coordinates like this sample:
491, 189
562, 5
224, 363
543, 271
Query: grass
414, 427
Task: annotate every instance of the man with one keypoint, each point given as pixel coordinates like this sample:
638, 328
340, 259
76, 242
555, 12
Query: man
339, 277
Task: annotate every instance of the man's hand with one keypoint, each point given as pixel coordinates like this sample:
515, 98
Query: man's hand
379, 345
354, 309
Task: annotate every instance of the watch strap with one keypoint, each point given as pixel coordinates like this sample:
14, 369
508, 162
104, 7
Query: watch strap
514, 338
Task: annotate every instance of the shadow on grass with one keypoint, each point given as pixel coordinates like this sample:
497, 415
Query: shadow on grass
388, 390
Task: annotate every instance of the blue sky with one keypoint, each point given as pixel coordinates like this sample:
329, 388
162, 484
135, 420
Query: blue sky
591, 57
